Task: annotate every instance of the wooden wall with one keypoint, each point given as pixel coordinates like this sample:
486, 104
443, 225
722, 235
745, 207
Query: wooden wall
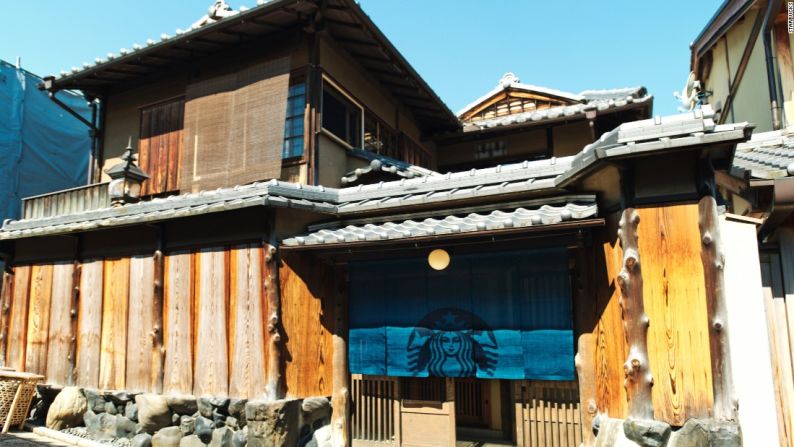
213, 314
307, 315
674, 297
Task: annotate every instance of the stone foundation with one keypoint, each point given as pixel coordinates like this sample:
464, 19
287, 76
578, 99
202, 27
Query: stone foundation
153, 420
694, 433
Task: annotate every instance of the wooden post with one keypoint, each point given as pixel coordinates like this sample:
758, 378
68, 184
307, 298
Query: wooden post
340, 419
274, 388
585, 322
74, 313
713, 260
635, 322
158, 345
6, 297
786, 68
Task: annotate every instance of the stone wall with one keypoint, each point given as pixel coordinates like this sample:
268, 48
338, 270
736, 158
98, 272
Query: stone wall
153, 420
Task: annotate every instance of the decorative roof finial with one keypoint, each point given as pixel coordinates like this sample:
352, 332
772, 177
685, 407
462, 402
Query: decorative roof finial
508, 79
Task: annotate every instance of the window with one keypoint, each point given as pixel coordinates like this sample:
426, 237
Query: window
380, 138
293, 124
341, 117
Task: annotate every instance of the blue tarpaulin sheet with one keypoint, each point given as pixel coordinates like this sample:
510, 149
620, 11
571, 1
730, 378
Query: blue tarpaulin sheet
42, 147
498, 316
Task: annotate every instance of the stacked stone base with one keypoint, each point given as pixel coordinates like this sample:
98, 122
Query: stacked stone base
152, 420
694, 433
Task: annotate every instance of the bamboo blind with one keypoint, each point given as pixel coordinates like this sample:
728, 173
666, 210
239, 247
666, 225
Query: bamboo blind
234, 127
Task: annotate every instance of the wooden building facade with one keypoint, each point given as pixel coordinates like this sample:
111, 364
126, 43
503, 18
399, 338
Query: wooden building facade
295, 240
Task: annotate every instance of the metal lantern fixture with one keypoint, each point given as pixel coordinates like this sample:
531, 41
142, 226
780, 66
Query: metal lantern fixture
126, 179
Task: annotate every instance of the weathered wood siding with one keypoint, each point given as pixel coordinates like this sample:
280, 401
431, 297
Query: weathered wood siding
307, 305
674, 298
213, 322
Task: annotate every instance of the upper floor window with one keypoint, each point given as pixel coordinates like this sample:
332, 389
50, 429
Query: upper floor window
293, 124
341, 117
380, 138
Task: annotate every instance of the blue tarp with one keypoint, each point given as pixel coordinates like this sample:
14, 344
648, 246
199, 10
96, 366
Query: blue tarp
42, 147
502, 315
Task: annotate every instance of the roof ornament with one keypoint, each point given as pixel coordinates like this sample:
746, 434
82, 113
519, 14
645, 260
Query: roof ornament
509, 79
218, 11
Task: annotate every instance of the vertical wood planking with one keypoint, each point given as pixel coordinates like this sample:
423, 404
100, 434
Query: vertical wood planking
211, 375
675, 301
139, 375
18, 321
113, 345
59, 340
178, 321
610, 349
309, 373
38, 319
246, 331
90, 323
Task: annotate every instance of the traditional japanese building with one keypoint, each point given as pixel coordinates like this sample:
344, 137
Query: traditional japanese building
316, 223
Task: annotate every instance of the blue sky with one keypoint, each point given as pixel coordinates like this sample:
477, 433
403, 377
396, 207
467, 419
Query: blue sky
460, 47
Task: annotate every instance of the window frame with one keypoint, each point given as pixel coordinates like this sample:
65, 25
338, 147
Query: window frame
339, 91
296, 78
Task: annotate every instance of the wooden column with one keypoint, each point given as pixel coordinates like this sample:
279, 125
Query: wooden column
713, 270
785, 66
274, 388
74, 313
6, 297
585, 320
638, 379
340, 402
158, 345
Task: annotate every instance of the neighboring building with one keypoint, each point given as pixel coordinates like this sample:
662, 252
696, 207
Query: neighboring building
42, 147
743, 62
516, 121
297, 241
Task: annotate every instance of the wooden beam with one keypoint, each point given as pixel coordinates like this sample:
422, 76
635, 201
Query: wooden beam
5, 313
713, 260
158, 343
786, 68
74, 314
340, 402
638, 380
274, 388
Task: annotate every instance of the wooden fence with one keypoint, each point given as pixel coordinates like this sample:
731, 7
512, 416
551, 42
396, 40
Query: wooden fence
547, 413
75, 200
96, 323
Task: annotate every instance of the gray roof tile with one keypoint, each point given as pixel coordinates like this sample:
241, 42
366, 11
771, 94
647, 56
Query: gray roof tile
768, 155
448, 224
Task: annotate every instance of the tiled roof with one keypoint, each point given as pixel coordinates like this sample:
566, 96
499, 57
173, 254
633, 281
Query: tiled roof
597, 100
768, 155
576, 209
378, 163
557, 112
495, 184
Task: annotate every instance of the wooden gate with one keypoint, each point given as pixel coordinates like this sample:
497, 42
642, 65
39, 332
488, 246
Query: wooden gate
376, 407
547, 413
472, 402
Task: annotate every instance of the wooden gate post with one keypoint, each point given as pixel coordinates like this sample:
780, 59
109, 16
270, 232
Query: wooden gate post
274, 387
635, 321
158, 345
340, 402
6, 296
713, 259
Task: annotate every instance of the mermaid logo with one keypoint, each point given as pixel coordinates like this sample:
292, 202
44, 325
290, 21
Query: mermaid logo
451, 342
